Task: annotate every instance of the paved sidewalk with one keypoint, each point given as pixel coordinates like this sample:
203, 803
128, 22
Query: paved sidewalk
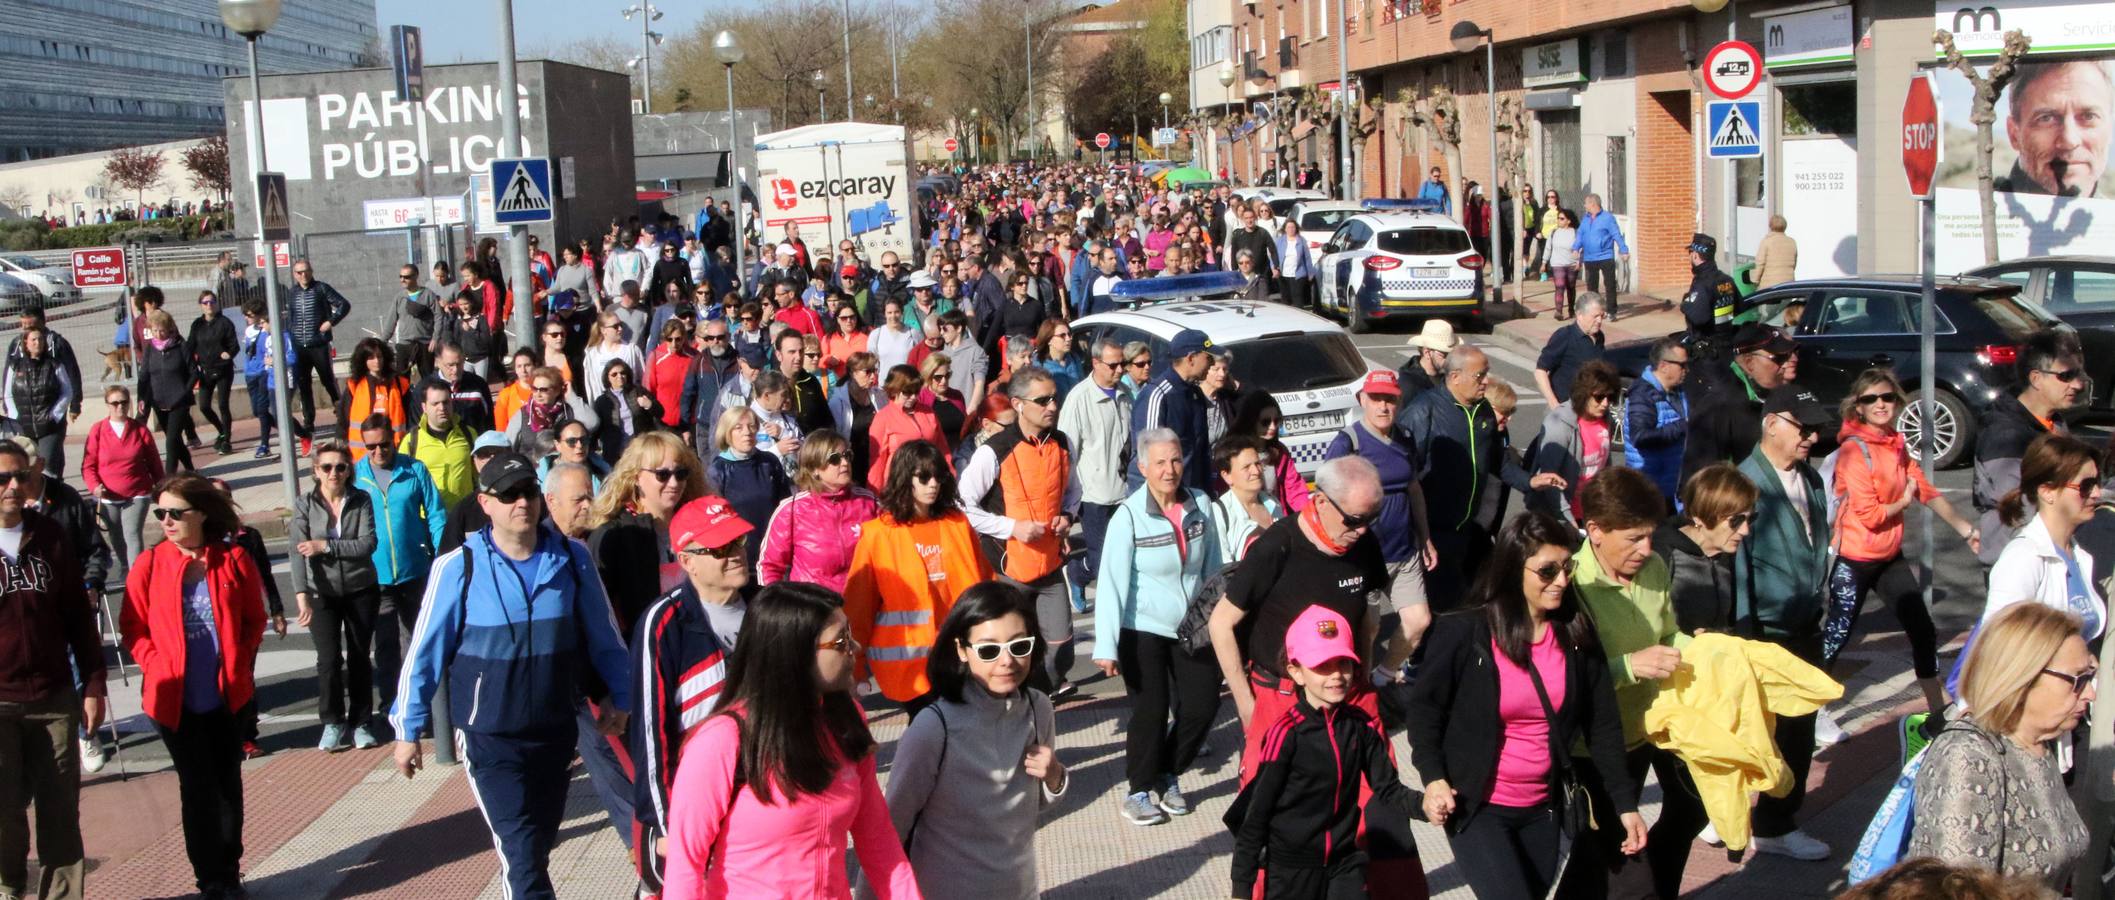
1526, 326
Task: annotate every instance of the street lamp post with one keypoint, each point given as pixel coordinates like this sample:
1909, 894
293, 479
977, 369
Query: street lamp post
1028, 53
1344, 110
976, 137
822, 113
728, 51
1226, 80
648, 14
509, 112
1165, 99
848, 60
251, 19
1465, 36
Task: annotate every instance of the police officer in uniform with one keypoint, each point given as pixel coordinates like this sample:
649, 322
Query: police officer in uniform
1712, 300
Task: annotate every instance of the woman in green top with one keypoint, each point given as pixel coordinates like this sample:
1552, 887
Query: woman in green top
1626, 590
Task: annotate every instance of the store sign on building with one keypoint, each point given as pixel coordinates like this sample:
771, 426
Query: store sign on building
1979, 26
1552, 64
1810, 38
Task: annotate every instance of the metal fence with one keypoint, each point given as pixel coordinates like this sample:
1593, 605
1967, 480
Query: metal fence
362, 265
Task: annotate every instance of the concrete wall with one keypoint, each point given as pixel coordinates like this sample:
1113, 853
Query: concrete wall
52, 186
343, 140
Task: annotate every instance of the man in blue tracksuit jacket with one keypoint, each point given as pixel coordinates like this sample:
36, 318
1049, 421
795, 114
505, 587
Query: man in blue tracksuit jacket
1600, 244
1435, 189
517, 618
1173, 400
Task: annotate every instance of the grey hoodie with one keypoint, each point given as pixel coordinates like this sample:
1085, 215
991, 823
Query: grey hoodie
1558, 449
348, 565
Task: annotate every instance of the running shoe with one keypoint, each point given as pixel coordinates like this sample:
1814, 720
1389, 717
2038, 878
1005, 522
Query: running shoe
1171, 800
1914, 736
1139, 809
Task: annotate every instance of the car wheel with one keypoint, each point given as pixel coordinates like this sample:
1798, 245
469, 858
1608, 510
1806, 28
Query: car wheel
1355, 317
1953, 424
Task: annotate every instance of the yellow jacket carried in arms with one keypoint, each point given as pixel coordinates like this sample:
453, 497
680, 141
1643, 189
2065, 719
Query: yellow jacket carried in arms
1718, 713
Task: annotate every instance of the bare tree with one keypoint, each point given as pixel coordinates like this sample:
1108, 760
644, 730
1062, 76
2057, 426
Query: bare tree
1440, 116
15, 197
1982, 112
135, 169
208, 164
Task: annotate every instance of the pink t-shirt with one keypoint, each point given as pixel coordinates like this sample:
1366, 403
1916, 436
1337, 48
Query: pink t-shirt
1524, 755
1593, 457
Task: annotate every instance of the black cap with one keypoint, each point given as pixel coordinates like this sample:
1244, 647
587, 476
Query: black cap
1756, 336
756, 355
1799, 403
506, 472
1703, 243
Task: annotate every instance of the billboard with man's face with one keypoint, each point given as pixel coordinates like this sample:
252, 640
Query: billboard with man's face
2054, 190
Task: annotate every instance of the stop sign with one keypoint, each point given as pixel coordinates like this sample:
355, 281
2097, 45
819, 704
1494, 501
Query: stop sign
1920, 135
1102, 140
951, 145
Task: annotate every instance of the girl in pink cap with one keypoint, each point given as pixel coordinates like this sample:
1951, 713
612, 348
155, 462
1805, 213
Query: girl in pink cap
1303, 804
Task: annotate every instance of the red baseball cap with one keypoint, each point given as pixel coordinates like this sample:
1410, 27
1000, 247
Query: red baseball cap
1381, 382
706, 522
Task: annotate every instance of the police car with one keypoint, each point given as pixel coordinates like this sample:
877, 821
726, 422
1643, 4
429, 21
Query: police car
1303, 360
1397, 259
1280, 199
1319, 219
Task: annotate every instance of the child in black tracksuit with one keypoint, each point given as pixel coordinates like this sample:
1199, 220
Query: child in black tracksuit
1297, 821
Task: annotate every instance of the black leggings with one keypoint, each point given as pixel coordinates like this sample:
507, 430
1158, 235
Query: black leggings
1157, 673
312, 364
1899, 586
206, 750
213, 388
1508, 851
1599, 868
344, 631
173, 423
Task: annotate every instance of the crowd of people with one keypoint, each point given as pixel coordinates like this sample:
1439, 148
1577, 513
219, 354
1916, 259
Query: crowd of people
705, 523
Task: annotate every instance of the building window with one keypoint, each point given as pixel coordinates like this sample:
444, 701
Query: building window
1619, 175
1819, 109
1560, 155
1615, 54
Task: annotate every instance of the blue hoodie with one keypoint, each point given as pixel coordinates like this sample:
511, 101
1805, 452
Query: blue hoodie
513, 657
1600, 238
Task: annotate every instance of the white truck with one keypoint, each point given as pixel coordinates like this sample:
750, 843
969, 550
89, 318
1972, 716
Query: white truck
836, 182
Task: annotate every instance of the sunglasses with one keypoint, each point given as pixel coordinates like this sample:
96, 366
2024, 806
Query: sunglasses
1139, 364
1550, 572
2066, 376
1044, 400
924, 476
848, 318
544, 388
334, 468
812, 354
677, 473
7, 478
167, 513
1351, 522
1738, 521
1018, 648
1889, 397
1778, 358
556, 334
731, 550
573, 441
713, 338
2086, 488
1602, 397
2079, 682
513, 494
838, 458
843, 644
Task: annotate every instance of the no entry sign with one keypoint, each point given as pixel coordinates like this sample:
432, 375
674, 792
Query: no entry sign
1102, 140
951, 145
1920, 135
99, 267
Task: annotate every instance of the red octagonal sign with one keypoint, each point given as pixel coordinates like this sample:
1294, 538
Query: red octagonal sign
952, 145
1920, 136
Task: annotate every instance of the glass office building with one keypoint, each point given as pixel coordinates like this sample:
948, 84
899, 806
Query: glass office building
83, 75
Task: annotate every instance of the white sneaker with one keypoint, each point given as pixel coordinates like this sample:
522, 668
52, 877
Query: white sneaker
1826, 732
1710, 835
93, 759
1797, 845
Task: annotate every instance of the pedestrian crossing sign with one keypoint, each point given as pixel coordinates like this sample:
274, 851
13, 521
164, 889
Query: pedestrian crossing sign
1735, 129
524, 192
271, 195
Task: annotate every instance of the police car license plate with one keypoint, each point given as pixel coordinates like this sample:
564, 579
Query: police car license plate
1430, 271
1311, 423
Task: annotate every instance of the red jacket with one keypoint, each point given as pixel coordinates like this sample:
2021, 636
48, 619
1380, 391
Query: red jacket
664, 379
129, 466
802, 319
151, 626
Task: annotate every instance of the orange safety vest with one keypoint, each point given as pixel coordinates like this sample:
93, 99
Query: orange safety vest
507, 402
363, 398
904, 579
1030, 485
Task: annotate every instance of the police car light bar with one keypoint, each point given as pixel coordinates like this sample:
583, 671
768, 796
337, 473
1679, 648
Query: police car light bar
1202, 285
1413, 204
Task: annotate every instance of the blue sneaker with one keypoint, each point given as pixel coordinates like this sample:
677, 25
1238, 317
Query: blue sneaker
333, 739
1171, 800
1139, 809
364, 739
1080, 606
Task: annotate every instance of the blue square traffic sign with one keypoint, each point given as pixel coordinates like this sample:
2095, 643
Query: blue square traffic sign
521, 192
1735, 129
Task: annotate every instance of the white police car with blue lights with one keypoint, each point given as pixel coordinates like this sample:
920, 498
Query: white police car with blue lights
1400, 259
1305, 361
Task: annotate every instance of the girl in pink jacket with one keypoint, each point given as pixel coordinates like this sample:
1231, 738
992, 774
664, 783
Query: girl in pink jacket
770, 788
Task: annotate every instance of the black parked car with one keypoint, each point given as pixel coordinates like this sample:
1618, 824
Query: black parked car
2077, 289
1855, 323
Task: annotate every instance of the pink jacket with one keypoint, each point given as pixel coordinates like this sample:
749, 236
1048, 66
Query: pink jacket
129, 466
811, 537
1292, 486
739, 846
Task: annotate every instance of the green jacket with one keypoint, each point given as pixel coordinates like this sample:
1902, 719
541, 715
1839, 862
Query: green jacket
1781, 572
1628, 618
